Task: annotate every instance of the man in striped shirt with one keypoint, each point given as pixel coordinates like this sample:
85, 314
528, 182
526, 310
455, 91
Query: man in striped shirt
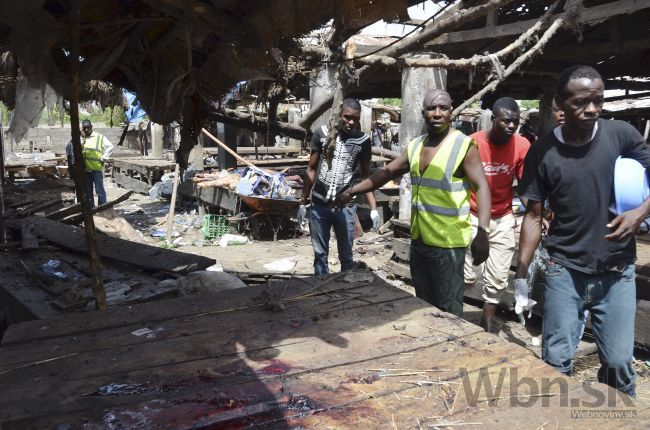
329, 174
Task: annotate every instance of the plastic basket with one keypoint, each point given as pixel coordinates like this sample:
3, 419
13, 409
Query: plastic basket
215, 226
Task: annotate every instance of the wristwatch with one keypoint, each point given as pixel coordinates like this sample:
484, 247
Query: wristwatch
485, 229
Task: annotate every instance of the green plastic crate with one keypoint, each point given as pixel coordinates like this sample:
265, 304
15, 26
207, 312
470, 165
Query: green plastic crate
215, 226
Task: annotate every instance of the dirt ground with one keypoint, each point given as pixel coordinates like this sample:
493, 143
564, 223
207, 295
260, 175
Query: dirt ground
147, 216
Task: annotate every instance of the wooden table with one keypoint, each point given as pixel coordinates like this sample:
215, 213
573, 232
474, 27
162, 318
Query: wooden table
32, 169
312, 354
139, 174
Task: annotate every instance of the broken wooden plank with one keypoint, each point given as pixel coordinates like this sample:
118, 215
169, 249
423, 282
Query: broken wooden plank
131, 183
76, 218
30, 210
134, 254
64, 212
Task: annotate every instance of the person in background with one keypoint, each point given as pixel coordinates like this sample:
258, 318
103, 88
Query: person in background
97, 150
69, 152
526, 132
329, 174
557, 114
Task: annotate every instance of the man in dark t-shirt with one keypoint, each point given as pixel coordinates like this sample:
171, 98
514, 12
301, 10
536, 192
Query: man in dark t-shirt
592, 250
331, 171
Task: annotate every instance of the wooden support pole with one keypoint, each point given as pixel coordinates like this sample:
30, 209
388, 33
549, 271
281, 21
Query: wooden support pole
227, 149
89, 223
172, 207
3, 232
156, 140
415, 84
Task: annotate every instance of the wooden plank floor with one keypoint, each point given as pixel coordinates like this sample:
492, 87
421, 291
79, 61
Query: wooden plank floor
343, 352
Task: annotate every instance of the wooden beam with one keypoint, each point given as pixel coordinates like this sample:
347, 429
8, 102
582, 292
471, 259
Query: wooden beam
628, 97
588, 16
64, 212
257, 123
131, 183
75, 218
596, 49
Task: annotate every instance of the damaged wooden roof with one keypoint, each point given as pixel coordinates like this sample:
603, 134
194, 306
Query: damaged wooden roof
170, 50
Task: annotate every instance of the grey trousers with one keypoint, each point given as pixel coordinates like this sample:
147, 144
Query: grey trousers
437, 275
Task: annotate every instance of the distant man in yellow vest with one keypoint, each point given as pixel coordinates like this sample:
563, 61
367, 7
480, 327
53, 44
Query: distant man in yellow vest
97, 149
444, 165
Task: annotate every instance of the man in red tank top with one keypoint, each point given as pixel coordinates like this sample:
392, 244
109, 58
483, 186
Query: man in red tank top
502, 153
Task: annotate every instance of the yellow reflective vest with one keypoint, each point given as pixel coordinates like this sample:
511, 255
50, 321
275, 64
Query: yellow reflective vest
440, 201
93, 148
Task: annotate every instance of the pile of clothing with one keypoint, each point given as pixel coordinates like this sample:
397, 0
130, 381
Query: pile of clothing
256, 182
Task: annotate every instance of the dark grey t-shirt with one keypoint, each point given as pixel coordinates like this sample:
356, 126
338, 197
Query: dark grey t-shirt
578, 181
350, 150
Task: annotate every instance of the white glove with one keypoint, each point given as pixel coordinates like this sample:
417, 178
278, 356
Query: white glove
522, 300
374, 216
302, 214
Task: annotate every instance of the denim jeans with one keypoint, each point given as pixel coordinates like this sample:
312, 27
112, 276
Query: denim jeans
96, 178
611, 299
437, 275
321, 220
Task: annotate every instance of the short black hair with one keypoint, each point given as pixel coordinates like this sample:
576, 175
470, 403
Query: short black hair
505, 103
86, 122
575, 72
352, 104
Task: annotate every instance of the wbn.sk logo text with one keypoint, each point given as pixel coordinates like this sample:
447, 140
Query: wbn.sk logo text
526, 391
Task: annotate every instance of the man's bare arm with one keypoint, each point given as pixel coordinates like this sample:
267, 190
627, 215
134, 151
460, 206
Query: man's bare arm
473, 168
395, 168
310, 177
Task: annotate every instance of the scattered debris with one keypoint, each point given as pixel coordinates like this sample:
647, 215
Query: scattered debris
50, 268
142, 331
204, 282
232, 239
283, 265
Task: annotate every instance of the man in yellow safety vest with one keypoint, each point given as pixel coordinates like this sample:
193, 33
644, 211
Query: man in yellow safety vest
97, 149
445, 166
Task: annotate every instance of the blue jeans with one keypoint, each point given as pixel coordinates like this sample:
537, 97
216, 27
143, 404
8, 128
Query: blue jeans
611, 298
96, 178
321, 220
